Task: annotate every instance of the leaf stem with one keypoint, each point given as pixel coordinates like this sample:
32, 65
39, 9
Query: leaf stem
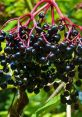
61, 86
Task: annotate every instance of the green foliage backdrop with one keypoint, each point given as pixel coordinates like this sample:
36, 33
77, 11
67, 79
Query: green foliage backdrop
37, 104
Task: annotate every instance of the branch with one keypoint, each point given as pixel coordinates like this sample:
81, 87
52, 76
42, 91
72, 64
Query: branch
56, 91
68, 110
18, 106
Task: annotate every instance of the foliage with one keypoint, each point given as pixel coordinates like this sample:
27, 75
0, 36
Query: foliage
37, 106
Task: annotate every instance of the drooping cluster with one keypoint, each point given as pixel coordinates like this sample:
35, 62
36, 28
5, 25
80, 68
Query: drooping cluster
40, 56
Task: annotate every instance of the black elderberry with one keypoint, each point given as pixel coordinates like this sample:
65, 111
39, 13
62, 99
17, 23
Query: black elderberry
66, 93
7, 76
36, 90
41, 15
68, 68
38, 29
54, 29
73, 97
71, 74
17, 55
61, 27
69, 50
63, 99
51, 57
10, 81
45, 26
68, 86
6, 69
55, 85
79, 49
69, 101
74, 32
1, 73
19, 82
78, 83
13, 65
3, 63
66, 34
46, 88
63, 46
7, 50
9, 38
81, 39
43, 60
30, 90
65, 79
2, 38
3, 85
56, 37
2, 57
77, 61
32, 37
3, 33
29, 50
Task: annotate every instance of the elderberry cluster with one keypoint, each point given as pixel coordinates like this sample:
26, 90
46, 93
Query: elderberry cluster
45, 61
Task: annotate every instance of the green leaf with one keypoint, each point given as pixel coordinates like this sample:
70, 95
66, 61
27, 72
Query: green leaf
47, 107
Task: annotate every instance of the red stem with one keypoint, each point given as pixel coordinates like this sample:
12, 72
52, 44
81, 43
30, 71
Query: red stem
52, 13
8, 22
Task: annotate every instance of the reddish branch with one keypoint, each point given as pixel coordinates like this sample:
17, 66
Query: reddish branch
31, 18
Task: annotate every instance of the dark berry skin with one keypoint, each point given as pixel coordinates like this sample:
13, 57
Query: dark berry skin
55, 85
38, 29
2, 38
54, 29
46, 88
61, 27
3, 33
41, 15
78, 83
6, 69
1, 73
3, 63
3, 85
10, 81
7, 50
56, 37
68, 86
43, 60
66, 93
68, 68
74, 32
63, 99
17, 55
2, 57
36, 90
69, 101
13, 65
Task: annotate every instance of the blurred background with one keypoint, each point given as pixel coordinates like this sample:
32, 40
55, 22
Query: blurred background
37, 108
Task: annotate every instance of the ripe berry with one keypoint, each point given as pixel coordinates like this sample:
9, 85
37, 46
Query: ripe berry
41, 15
61, 27
3, 85
2, 38
74, 32
36, 90
78, 83
46, 88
